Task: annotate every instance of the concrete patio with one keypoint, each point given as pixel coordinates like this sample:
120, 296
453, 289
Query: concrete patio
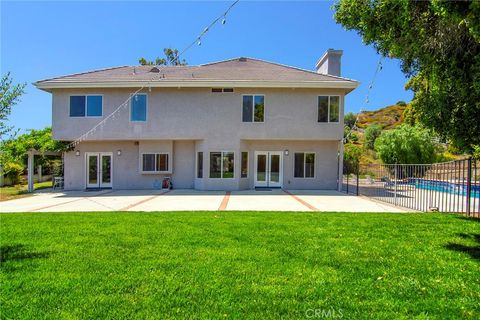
176, 200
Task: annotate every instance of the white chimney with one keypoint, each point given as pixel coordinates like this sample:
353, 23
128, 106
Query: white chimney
330, 62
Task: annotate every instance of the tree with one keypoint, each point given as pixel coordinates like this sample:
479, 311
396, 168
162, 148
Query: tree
371, 134
406, 145
9, 96
438, 44
14, 151
171, 58
350, 118
351, 158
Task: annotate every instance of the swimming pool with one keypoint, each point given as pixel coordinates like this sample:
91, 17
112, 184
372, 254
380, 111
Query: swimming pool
444, 186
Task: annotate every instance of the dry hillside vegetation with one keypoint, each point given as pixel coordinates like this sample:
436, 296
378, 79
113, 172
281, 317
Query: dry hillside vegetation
388, 117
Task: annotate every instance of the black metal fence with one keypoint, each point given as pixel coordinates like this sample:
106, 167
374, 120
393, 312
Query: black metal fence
447, 187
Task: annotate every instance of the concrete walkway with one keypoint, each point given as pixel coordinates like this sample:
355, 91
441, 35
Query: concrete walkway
176, 200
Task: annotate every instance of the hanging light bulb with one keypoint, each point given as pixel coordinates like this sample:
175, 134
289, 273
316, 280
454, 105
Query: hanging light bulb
199, 42
224, 20
149, 89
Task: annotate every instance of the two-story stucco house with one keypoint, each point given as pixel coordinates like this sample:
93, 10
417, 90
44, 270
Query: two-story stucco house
230, 125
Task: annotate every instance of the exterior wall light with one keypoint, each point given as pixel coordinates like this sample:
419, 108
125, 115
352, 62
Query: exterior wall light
286, 152
119, 152
77, 153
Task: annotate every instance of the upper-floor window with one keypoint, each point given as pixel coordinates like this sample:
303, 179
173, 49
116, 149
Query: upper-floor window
86, 106
138, 107
253, 108
155, 162
328, 108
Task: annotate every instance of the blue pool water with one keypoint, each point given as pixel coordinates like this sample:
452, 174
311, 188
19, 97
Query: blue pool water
443, 186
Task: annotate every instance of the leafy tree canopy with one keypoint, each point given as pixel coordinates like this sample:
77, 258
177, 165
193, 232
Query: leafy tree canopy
15, 150
406, 144
9, 96
351, 158
171, 58
350, 119
371, 134
438, 44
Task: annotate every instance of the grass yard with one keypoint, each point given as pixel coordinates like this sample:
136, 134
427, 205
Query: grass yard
20, 190
244, 265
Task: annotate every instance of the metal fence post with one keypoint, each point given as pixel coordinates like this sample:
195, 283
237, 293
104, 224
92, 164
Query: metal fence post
395, 190
469, 185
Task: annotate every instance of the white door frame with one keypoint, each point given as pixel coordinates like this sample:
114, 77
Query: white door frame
100, 183
268, 181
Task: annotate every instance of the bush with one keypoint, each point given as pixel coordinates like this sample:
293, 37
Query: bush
476, 152
371, 134
349, 119
12, 171
401, 103
351, 158
406, 145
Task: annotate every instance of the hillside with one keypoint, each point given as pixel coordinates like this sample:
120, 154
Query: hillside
388, 117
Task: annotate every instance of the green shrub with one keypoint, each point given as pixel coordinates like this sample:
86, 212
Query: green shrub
371, 134
12, 171
349, 119
406, 144
351, 158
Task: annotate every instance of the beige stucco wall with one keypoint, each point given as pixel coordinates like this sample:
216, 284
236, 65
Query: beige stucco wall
183, 122
197, 113
126, 172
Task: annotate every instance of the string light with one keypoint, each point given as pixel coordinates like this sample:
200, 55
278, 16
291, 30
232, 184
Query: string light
367, 97
176, 59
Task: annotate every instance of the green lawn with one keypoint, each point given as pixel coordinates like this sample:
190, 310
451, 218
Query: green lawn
20, 190
253, 265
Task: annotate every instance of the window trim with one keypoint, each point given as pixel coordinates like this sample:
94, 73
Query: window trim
132, 95
253, 107
221, 164
169, 169
328, 107
248, 160
305, 164
86, 104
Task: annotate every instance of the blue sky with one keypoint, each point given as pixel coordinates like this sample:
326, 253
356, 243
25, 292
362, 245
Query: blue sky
46, 39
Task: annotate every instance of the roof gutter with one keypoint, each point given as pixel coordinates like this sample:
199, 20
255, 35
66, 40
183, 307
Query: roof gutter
48, 85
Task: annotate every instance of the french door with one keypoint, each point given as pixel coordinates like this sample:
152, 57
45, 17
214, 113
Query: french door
268, 169
99, 169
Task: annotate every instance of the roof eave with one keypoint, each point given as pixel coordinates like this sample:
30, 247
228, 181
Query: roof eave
47, 86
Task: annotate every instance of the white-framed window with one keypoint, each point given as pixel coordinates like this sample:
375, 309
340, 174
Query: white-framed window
155, 162
222, 165
328, 108
90, 105
253, 108
138, 107
244, 165
304, 165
